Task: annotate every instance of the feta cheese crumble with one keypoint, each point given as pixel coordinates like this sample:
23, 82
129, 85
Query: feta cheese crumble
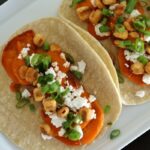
146, 78
97, 31
93, 114
45, 137
140, 94
61, 132
66, 64
51, 71
135, 13
81, 66
73, 68
23, 53
113, 7
57, 121
92, 98
62, 55
25, 93
126, 65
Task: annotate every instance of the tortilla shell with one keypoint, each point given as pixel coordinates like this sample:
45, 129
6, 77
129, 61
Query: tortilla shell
22, 126
128, 89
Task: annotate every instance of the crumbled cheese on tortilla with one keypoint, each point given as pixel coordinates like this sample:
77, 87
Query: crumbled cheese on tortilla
28, 45
97, 31
61, 132
62, 55
146, 78
56, 68
92, 98
140, 94
66, 64
126, 65
45, 137
25, 93
54, 64
60, 76
57, 121
93, 114
23, 53
73, 68
135, 13
51, 71
113, 7
81, 66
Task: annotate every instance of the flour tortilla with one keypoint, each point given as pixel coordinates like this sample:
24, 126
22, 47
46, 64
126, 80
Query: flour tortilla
128, 89
22, 126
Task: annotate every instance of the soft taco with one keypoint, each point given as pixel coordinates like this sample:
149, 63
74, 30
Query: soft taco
54, 73
122, 27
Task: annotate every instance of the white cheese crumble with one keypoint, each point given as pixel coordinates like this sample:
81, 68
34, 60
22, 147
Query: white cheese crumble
25, 93
54, 64
92, 98
45, 137
60, 76
93, 2
113, 7
100, 33
146, 38
126, 65
28, 45
146, 78
79, 129
81, 66
66, 64
93, 114
31, 59
23, 53
62, 55
140, 94
61, 132
73, 68
135, 13
57, 121
51, 71
56, 68
131, 56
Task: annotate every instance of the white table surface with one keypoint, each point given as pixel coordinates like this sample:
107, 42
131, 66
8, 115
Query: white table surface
134, 120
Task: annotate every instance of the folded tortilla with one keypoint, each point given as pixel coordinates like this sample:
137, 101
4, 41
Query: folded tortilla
128, 89
22, 126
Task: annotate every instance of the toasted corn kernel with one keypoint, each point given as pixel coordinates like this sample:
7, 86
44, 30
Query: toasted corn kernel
22, 71
38, 40
63, 112
38, 95
137, 68
147, 68
45, 129
95, 16
49, 105
85, 113
31, 75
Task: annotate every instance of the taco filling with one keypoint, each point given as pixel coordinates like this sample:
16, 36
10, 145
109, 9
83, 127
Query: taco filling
125, 23
42, 73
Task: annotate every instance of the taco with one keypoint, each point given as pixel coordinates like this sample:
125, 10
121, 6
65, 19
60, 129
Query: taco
53, 73
123, 29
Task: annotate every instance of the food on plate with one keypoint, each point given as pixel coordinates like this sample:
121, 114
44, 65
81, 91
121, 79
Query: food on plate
51, 73
123, 29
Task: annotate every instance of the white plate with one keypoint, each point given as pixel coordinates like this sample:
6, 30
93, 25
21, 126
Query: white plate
133, 121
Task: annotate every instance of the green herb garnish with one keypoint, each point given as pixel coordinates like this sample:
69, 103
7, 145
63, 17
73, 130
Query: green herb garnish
130, 6
74, 2
18, 96
104, 21
104, 28
22, 103
114, 134
143, 60
51, 88
74, 135
120, 20
45, 79
32, 107
41, 61
46, 46
77, 74
107, 12
107, 109
27, 60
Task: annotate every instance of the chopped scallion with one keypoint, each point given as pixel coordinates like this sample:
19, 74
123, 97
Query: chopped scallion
130, 6
74, 2
77, 74
107, 109
107, 12
104, 28
142, 59
46, 46
114, 134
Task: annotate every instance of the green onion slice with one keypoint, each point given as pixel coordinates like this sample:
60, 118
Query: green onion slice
130, 6
114, 134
